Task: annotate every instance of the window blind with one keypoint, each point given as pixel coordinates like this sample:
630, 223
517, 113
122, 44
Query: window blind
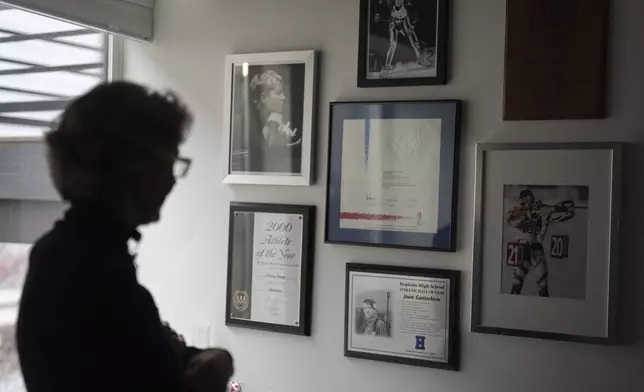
130, 18
44, 63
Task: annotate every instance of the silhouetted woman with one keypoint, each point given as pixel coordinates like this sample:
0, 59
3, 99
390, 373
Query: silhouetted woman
85, 322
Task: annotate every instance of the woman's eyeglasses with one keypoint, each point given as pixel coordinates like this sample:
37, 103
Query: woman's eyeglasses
182, 167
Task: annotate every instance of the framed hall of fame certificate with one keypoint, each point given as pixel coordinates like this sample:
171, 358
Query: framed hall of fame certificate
270, 267
393, 174
402, 315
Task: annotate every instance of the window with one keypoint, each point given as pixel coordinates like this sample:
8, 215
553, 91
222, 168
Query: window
44, 62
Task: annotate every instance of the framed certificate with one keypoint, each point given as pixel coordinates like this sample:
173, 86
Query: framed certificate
547, 240
393, 174
270, 267
402, 315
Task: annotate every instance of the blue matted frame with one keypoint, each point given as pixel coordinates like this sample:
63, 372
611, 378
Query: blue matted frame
449, 111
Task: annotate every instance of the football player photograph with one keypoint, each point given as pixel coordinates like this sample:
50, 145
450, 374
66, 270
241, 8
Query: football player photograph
267, 119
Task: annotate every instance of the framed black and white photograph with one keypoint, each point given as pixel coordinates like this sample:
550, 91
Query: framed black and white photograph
270, 267
403, 43
269, 121
546, 240
393, 174
402, 315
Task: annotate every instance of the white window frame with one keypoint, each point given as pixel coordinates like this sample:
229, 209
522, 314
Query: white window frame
115, 58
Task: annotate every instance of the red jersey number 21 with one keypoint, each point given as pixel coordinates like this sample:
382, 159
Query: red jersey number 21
514, 254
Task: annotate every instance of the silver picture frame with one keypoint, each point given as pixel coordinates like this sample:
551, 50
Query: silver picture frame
486, 312
304, 85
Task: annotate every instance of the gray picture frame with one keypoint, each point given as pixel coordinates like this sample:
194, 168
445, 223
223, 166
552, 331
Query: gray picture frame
477, 323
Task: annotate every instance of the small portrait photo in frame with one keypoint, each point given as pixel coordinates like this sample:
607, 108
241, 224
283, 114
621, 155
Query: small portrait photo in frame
270, 267
403, 43
402, 315
546, 240
269, 121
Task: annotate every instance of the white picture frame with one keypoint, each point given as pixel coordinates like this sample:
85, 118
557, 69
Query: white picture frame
241, 142
544, 181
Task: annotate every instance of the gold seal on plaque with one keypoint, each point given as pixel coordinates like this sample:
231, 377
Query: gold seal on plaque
241, 300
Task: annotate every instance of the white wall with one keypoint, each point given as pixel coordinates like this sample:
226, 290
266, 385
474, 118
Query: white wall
183, 260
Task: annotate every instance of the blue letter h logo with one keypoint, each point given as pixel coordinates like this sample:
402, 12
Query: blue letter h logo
420, 343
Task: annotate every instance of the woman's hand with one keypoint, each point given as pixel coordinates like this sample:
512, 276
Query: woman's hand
210, 371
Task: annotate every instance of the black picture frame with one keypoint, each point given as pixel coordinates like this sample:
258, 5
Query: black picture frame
612, 263
454, 278
449, 111
442, 50
306, 278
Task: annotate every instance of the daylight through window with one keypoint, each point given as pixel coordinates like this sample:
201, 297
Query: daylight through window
44, 63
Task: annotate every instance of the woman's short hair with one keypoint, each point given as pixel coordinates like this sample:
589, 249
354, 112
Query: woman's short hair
102, 134
264, 82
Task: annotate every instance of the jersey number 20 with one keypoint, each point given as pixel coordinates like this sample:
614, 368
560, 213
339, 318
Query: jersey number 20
559, 246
